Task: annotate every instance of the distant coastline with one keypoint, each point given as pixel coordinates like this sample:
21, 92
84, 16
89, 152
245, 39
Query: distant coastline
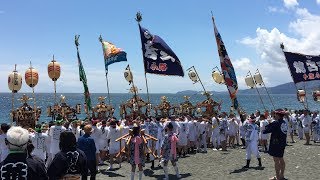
287, 88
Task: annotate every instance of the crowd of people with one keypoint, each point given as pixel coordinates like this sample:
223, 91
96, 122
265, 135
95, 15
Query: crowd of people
76, 149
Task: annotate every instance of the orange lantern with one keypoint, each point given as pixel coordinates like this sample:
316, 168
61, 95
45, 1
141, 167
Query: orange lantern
14, 81
31, 77
54, 70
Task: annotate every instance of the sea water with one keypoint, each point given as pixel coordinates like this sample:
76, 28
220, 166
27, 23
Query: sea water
250, 103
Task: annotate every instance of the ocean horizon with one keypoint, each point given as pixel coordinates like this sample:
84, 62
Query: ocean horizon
249, 102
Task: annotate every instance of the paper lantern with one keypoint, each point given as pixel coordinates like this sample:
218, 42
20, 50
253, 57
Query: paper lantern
316, 95
258, 79
217, 77
14, 81
301, 95
128, 76
249, 81
193, 76
54, 70
31, 77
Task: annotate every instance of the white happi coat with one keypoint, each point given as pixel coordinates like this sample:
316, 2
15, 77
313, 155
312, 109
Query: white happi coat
123, 130
54, 134
40, 141
192, 131
232, 127
251, 137
306, 123
263, 124
202, 132
223, 126
95, 135
103, 142
113, 134
183, 133
74, 130
215, 136
160, 135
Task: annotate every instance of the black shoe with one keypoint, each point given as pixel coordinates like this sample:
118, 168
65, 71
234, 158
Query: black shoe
248, 164
260, 164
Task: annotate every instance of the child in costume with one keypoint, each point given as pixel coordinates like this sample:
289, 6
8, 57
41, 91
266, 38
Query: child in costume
169, 151
136, 151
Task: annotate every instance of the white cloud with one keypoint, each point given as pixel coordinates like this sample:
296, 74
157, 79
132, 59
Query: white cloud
274, 9
318, 1
243, 64
305, 39
290, 3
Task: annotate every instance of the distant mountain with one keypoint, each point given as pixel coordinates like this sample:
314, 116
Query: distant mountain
287, 88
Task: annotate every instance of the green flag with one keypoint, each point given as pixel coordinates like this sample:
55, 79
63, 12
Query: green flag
83, 78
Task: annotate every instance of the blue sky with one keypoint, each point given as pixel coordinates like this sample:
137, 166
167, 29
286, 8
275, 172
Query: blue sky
35, 30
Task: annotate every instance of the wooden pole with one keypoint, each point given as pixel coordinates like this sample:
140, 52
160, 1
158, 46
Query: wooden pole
267, 91
257, 91
194, 69
106, 70
139, 19
76, 42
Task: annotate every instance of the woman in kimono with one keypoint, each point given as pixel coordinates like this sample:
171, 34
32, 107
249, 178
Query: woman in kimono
136, 151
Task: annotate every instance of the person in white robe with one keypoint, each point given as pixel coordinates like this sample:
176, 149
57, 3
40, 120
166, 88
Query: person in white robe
252, 137
103, 144
202, 135
306, 124
263, 137
114, 146
215, 137
191, 135
183, 137
232, 130
40, 143
54, 133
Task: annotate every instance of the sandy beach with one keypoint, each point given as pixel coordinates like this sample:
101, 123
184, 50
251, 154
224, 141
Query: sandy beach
301, 163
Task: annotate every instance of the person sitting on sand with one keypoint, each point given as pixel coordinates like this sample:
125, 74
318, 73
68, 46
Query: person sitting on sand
278, 141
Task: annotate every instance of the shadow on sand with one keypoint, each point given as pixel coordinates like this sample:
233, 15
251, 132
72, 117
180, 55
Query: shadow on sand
111, 173
243, 169
150, 173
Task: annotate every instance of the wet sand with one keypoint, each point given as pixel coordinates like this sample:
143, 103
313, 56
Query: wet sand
302, 162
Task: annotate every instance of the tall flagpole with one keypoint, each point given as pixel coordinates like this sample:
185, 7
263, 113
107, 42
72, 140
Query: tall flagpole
101, 40
282, 48
139, 19
76, 41
33, 95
